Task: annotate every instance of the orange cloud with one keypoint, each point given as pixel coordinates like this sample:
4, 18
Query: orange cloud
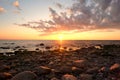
2, 9
16, 4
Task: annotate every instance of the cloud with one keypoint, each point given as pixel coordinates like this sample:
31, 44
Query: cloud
83, 15
59, 5
17, 5
2, 10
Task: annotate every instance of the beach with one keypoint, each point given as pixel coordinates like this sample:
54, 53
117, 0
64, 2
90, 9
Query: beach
98, 62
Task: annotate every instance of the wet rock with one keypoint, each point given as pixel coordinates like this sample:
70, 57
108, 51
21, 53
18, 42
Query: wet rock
86, 77
5, 76
42, 70
68, 77
26, 75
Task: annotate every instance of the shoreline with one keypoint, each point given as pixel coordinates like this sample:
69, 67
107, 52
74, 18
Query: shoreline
91, 63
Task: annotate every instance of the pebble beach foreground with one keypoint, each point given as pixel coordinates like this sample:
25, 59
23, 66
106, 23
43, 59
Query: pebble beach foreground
83, 64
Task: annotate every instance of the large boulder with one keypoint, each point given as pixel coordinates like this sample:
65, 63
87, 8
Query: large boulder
26, 75
68, 77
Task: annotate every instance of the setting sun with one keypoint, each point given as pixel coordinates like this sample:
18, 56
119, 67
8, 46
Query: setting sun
60, 36
55, 39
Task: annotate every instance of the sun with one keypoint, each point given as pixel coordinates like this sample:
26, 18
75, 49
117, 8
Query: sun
60, 37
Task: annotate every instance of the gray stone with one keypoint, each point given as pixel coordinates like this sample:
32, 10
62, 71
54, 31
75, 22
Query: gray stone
26, 75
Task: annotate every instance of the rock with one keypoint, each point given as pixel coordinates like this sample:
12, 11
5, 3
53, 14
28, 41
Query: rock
42, 70
92, 70
65, 69
86, 77
51, 63
4, 68
5, 76
48, 47
76, 70
80, 63
104, 69
26, 75
115, 67
68, 77
4, 47
54, 78
37, 49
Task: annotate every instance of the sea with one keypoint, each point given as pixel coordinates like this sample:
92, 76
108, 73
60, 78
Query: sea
35, 45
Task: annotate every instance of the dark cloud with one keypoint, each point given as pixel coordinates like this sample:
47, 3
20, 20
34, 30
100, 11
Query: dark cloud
83, 15
59, 5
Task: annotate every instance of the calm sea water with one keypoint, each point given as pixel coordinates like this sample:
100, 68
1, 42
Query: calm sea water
31, 45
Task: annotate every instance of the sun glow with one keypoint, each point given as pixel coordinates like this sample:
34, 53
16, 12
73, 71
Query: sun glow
60, 37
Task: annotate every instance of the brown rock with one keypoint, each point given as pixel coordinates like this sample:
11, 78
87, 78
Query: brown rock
42, 70
76, 70
65, 69
4, 68
54, 78
86, 77
92, 70
68, 77
26, 75
115, 67
81, 63
5, 75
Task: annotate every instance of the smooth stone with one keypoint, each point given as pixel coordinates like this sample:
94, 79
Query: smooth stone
42, 70
115, 67
65, 69
80, 63
54, 78
4, 68
86, 77
5, 76
92, 70
68, 77
76, 70
26, 75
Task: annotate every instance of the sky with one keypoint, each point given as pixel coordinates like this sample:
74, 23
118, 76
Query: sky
60, 19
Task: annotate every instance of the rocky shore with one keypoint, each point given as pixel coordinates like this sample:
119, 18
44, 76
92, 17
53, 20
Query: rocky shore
92, 63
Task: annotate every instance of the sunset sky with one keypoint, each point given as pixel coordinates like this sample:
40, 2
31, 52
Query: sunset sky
60, 19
